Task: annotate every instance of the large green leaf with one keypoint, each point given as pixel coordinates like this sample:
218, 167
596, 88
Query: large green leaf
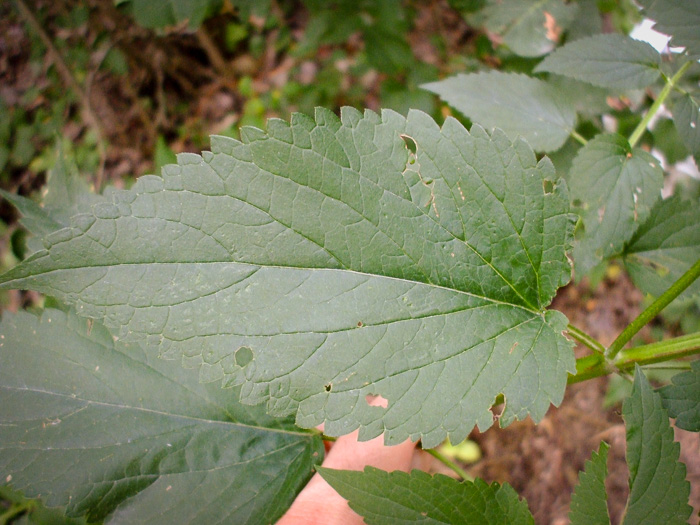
678, 18
615, 187
589, 502
100, 426
665, 246
658, 490
613, 61
519, 105
529, 28
682, 398
323, 262
392, 498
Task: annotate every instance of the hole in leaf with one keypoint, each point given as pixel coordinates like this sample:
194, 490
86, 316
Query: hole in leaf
243, 356
498, 407
577, 203
410, 144
548, 186
328, 387
376, 400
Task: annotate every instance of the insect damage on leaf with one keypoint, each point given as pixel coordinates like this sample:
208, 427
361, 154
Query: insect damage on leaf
255, 261
421, 187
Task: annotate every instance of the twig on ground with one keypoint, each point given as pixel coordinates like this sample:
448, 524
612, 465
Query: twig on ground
89, 115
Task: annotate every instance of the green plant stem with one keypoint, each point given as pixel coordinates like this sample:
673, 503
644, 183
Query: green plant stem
589, 367
659, 352
585, 339
642, 126
449, 463
596, 365
674, 365
653, 310
575, 134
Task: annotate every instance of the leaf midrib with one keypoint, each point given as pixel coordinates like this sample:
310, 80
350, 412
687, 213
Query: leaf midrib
9, 283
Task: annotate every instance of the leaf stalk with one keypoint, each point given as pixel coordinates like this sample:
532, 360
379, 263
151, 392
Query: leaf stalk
449, 463
585, 339
578, 137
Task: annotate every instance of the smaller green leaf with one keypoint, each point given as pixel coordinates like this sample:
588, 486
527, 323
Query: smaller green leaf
686, 117
66, 194
102, 427
678, 18
659, 491
34, 218
612, 61
529, 28
397, 497
682, 398
665, 246
615, 187
668, 140
519, 105
589, 500
33, 511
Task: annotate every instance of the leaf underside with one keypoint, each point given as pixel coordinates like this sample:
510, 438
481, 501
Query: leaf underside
609, 60
659, 491
394, 498
521, 106
323, 262
103, 427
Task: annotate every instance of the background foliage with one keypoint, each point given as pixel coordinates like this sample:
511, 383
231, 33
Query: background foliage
121, 86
